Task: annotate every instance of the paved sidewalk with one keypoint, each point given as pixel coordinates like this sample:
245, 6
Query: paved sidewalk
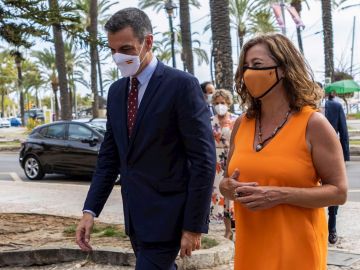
67, 200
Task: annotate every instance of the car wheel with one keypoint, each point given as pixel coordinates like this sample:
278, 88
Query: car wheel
32, 168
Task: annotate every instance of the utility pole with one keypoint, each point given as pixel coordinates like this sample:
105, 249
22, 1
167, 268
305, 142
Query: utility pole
282, 4
352, 47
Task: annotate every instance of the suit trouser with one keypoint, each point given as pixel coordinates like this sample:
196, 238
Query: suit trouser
332, 210
155, 256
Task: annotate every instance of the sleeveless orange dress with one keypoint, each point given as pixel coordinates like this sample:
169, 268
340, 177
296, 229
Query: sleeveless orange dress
283, 237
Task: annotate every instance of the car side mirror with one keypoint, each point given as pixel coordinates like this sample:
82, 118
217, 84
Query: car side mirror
88, 140
94, 141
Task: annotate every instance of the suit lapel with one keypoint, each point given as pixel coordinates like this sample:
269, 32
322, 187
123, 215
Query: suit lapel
123, 92
149, 93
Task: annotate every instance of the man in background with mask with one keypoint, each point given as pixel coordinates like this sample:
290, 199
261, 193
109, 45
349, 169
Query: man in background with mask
208, 90
159, 139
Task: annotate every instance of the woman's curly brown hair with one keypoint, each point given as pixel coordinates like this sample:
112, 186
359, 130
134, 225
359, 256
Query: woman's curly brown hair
298, 79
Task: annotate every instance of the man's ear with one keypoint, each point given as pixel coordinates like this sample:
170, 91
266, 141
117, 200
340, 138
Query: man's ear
149, 39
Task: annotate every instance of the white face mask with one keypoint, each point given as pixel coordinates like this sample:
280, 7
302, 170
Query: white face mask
128, 64
209, 98
221, 109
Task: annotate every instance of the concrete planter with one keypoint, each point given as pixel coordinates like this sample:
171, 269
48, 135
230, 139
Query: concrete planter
221, 254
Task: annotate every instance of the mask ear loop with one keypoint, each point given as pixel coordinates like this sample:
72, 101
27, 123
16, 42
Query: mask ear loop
142, 46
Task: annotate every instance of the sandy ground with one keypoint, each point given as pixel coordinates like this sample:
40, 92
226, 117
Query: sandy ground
18, 231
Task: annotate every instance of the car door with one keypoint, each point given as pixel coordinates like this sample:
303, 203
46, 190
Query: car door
82, 149
53, 146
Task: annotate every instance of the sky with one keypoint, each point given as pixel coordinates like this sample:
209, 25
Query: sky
312, 35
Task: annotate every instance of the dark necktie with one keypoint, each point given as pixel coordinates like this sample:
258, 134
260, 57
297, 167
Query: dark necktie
132, 104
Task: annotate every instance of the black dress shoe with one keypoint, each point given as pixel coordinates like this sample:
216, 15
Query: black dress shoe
333, 237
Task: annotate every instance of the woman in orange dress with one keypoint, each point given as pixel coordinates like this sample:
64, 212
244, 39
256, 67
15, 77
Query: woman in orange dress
285, 161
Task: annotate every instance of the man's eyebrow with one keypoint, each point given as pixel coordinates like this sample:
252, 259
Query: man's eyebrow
125, 46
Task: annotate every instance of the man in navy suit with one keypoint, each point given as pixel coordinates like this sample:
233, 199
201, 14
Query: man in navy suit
159, 139
336, 116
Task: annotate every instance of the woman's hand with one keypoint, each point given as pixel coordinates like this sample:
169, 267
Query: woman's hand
228, 185
260, 197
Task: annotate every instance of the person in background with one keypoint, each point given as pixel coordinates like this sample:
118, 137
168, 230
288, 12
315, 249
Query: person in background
285, 161
208, 91
335, 114
222, 124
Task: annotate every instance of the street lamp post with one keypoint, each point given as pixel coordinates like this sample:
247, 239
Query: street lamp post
170, 6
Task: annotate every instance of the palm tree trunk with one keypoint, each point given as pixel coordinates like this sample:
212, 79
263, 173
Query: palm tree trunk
328, 38
186, 35
93, 56
18, 59
220, 26
60, 63
99, 72
55, 90
71, 85
37, 97
2, 102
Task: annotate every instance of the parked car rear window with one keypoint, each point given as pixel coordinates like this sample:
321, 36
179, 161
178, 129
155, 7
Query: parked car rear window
55, 132
79, 132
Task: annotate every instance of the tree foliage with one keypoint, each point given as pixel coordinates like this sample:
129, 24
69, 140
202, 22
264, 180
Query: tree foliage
21, 21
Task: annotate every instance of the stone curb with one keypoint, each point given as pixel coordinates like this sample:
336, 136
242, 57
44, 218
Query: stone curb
221, 254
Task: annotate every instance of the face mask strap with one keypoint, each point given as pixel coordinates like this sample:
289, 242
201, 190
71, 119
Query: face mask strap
256, 68
271, 88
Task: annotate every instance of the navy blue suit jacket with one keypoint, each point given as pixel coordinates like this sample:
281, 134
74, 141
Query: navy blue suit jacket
167, 166
336, 116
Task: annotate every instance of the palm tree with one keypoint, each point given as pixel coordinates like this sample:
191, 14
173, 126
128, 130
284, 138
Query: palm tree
60, 62
76, 64
162, 48
32, 81
328, 38
221, 43
7, 77
246, 14
111, 75
345, 5
92, 29
18, 60
185, 26
93, 14
45, 59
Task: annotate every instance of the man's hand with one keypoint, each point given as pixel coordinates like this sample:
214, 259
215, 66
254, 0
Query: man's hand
83, 231
189, 242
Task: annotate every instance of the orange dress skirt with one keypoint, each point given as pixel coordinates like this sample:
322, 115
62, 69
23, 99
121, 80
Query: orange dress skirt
283, 237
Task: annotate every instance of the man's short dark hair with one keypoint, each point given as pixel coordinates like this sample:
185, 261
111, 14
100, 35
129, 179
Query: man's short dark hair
203, 86
133, 17
319, 84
